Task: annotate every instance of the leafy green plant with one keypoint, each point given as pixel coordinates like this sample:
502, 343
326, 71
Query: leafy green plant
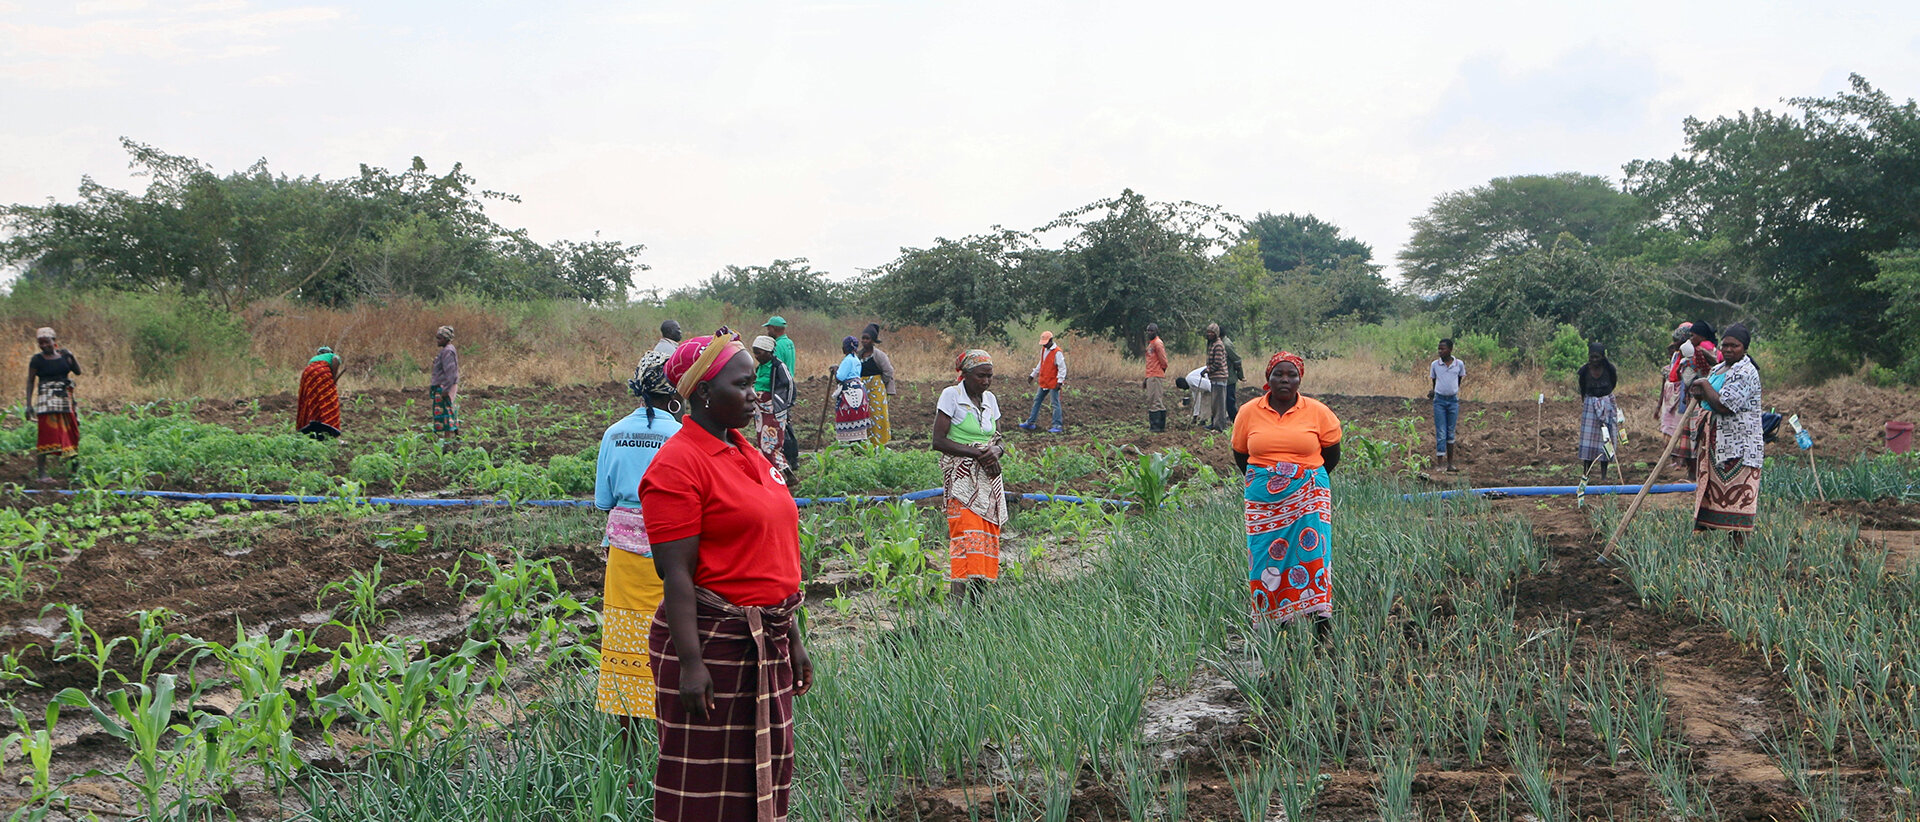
363, 593
406, 540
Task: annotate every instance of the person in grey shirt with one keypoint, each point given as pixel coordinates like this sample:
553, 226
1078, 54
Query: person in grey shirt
1445, 373
669, 339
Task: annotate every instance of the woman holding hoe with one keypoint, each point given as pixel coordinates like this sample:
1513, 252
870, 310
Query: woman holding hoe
1728, 447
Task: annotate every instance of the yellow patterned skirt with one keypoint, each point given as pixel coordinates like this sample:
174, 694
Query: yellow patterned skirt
633, 594
881, 432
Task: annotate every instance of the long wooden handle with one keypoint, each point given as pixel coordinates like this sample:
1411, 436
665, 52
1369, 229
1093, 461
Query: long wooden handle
1633, 508
820, 433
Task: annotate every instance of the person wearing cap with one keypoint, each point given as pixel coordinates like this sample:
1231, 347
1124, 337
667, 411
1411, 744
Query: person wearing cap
727, 652
443, 386
1050, 375
876, 371
51, 403
776, 327
1155, 382
633, 588
774, 404
669, 339
851, 417
317, 414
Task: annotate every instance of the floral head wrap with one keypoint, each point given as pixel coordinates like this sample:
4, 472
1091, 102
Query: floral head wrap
973, 358
445, 332
650, 377
1286, 356
700, 359
45, 334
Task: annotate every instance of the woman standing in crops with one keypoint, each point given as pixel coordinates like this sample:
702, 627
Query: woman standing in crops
876, 370
443, 385
50, 402
970, 451
851, 415
318, 413
1599, 416
1286, 444
726, 648
1728, 447
773, 384
633, 588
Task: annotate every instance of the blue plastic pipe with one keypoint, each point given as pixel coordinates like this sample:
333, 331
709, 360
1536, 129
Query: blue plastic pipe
414, 502
1552, 491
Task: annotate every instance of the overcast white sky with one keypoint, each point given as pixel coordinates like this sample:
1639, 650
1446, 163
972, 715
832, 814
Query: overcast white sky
741, 132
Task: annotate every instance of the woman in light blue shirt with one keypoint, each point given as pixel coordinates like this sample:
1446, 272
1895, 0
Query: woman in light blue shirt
851, 417
633, 587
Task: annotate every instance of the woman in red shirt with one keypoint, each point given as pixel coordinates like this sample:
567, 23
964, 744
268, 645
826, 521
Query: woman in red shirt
727, 653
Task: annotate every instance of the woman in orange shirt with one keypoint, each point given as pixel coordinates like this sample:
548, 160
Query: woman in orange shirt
1285, 444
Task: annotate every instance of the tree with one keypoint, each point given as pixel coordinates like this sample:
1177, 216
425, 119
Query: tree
1800, 203
1466, 231
789, 283
1291, 241
1609, 301
970, 287
1133, 262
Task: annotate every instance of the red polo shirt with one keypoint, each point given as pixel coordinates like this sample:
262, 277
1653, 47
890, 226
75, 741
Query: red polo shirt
730, 497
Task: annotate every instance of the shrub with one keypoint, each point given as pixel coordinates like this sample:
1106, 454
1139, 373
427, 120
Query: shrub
1566, 352
1484, 351
309, 483
377, 467
572, 475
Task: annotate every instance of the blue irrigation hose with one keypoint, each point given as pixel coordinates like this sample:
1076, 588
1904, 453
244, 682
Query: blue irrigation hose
1551, 491
415, 502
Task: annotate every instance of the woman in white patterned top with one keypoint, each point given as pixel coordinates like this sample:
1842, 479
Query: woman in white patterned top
1729, 450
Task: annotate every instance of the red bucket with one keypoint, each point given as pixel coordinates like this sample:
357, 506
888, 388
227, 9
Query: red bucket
1899, 436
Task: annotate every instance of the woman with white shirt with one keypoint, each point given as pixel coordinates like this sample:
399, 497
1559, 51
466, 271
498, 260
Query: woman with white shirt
964, 432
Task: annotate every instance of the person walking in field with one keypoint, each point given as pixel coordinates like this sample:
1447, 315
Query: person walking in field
317, 414
1599, 416
1199, 394
876, 371
851, 418
1729, 448
1446, 374
633, 587
1155, 382
775, 403
1050, 375
443, 386
669, 339
51, 404
1217, 376
776, 327
964, 422
727, 652
1285, 445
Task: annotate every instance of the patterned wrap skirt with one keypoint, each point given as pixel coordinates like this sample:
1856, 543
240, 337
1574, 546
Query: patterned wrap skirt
1672, 402
851, 417
58, 418
976, 509
737, 764
1289, 534
1728, 497
446, 415
318, 412
771, 427
881, 432
632, 596
1599, 415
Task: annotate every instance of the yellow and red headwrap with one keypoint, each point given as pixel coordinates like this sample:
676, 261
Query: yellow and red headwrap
1287, 356
700, 359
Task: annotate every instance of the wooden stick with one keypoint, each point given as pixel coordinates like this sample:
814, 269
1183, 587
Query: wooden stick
1816, 476
1633, 508
820, 433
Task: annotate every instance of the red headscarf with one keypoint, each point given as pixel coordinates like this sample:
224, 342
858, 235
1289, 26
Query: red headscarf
699, 359
1287, 356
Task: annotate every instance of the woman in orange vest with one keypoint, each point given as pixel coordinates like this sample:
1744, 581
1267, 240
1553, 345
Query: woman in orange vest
1051, 375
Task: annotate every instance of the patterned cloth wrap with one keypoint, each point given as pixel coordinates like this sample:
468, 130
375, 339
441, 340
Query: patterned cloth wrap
633, 592
54, 397
446, 415
1289, 518
1596, 415
976, 509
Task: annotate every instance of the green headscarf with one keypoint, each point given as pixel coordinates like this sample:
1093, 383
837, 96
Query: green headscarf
327, 356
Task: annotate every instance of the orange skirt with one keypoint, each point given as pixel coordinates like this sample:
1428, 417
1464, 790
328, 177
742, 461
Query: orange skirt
59, 433
319, 408
973, 544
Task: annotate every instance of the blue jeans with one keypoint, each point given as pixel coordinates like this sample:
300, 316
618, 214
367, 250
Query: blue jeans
1446, 412
1040, 399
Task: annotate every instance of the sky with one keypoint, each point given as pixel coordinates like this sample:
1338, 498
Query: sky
742, 132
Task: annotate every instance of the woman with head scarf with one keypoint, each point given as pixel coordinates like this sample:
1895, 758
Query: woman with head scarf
444, 385
964, 432
633, 587
774, 387
1286, 444
876, 370
1702, 355
851, 414
1673, 394
726, 649
1599, 416
1727, 439
317, 414
51, 403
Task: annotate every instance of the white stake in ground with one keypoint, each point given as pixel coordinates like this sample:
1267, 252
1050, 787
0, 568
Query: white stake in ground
1804, 438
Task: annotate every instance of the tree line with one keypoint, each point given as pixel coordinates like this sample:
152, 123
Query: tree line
1804, 223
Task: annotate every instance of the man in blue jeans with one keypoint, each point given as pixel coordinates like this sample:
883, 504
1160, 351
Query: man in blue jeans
1051, 377
1446, 373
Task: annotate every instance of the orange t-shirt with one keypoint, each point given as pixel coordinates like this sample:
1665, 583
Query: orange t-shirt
1297, 437
1156, 358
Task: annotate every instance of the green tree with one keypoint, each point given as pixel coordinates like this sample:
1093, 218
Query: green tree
970, 287
1465, 232
1521, 298
1290, 241
781, 284
1132, 262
